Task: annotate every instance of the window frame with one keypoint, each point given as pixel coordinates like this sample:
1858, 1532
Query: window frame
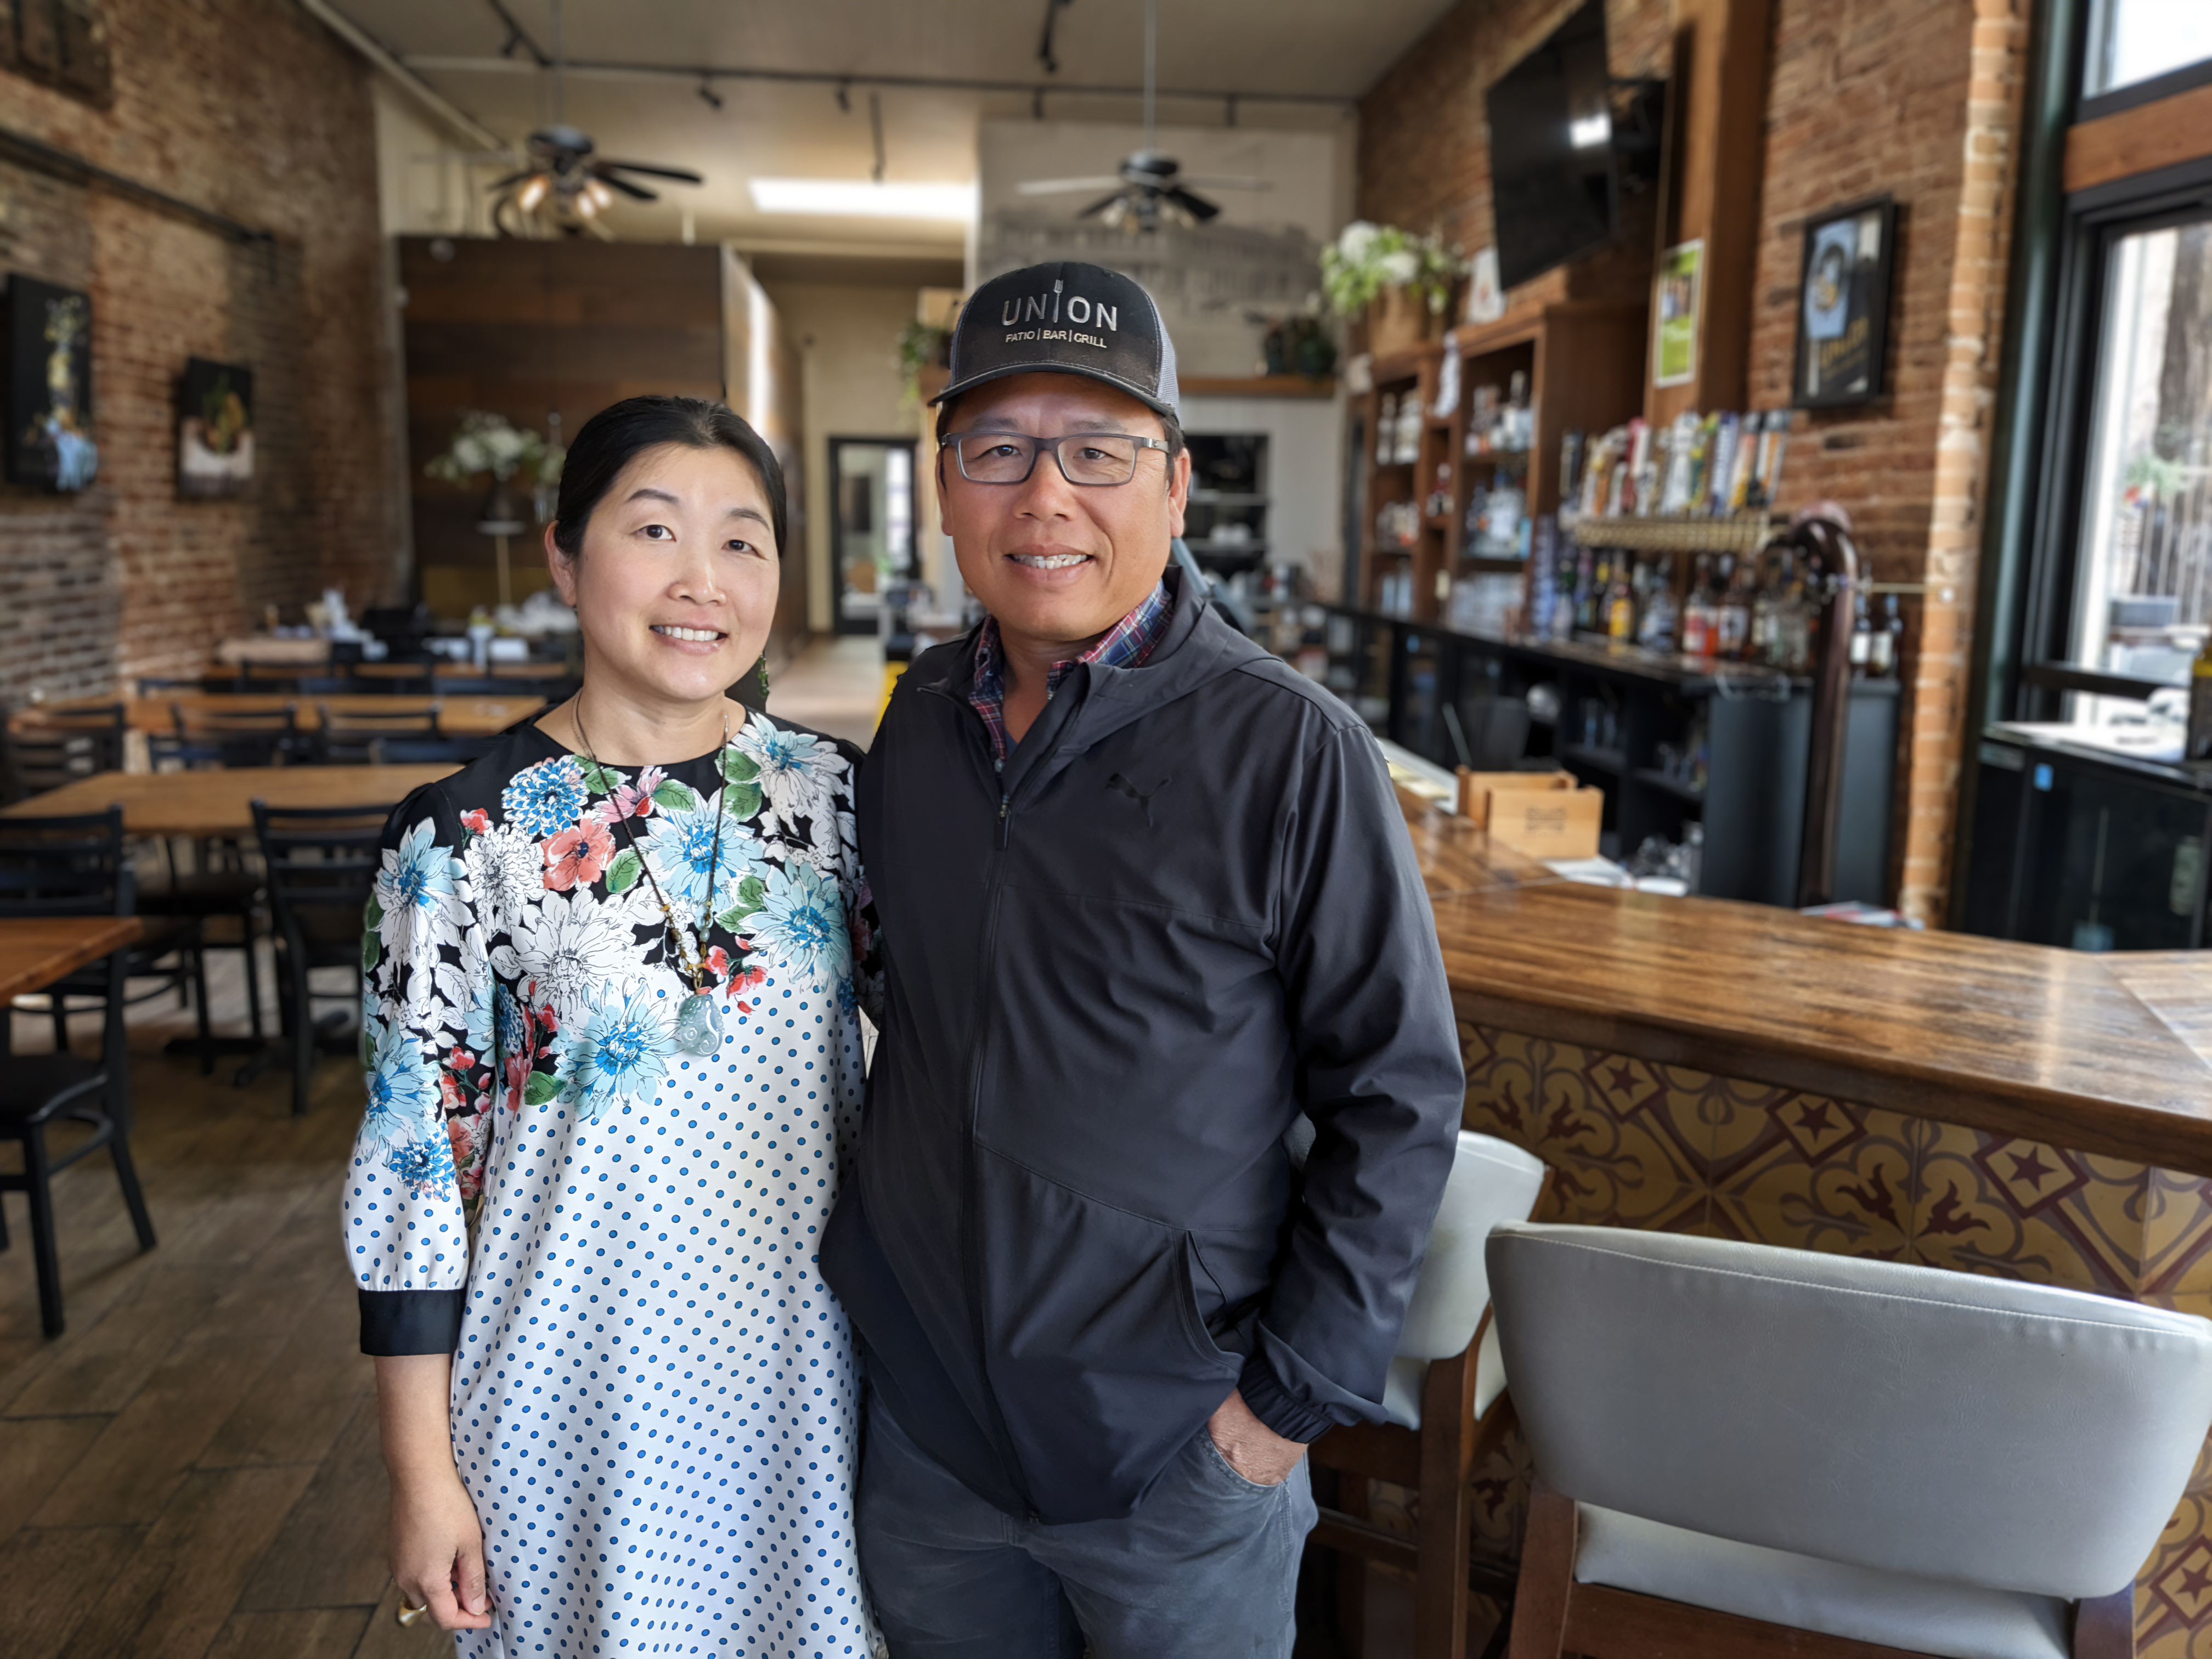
2092, 221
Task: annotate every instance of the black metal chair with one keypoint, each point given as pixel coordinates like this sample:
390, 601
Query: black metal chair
59, 746
322, 865
334, 685
160, 685
59, 867
207, 737
419, 682
348, 738
172, 939
443, 750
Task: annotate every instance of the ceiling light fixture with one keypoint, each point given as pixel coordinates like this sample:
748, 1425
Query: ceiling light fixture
1590, 132
858, 198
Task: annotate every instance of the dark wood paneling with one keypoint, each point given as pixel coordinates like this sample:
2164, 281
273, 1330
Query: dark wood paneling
523, 329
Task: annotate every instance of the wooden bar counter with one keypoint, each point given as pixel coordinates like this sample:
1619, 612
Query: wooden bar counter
1697, 1066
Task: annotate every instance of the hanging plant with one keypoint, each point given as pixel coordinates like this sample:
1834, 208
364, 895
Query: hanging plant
921, 346
1367, 258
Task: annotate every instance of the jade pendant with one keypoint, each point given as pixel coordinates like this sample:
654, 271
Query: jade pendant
698, 1026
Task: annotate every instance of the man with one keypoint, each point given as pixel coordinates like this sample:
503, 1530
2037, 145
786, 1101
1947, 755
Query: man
1144, 896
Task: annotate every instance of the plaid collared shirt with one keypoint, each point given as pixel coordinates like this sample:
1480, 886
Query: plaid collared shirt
1125, 645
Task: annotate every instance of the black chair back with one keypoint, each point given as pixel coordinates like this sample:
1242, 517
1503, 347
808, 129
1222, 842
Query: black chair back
69, 866
442, 749
416, 684
225, 737
348, 738
334, 685
59, 746
322, 865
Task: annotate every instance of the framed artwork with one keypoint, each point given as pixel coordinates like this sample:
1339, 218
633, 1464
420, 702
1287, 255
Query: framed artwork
1680, 303
1843, 305
49, 438
215, 430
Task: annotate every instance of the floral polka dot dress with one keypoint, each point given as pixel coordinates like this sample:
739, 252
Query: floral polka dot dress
603, 1193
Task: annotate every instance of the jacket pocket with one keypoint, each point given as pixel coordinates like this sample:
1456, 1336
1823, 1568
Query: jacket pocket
1098, 1356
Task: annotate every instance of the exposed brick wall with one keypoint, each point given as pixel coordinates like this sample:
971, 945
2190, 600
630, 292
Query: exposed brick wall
1916, 98
1423, 158
252, 110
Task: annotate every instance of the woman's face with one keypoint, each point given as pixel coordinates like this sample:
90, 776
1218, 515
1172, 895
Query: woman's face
675, 587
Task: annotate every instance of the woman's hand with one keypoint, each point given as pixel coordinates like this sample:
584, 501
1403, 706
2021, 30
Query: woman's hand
437, 1542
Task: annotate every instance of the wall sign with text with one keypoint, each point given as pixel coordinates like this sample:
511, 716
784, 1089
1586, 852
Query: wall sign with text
1843, 305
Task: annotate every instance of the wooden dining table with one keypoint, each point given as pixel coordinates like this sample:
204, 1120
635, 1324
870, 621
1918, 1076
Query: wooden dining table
220, 804
36, 950
469, 716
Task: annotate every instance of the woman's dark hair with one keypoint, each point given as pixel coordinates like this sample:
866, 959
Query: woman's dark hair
621, 432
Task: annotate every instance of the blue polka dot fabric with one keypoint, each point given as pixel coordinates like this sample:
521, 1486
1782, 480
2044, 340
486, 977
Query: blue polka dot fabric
655, 1397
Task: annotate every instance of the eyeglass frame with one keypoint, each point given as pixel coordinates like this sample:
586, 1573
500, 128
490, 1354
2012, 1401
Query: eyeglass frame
1038, 446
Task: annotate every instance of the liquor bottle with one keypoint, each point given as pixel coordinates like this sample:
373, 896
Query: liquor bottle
1385, 428
1439, 502
2198, 745
1732, 631
1656, 624
1697, 610
1519, 419
1764, 644
1591, 585
1862, 651
1620, 605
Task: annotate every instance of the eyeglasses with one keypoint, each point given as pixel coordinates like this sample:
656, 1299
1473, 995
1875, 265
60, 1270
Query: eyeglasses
1084, 458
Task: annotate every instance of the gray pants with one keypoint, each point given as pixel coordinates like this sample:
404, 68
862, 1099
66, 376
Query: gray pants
1206, 1568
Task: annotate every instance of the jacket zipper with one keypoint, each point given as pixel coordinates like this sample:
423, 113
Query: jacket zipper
971, 1245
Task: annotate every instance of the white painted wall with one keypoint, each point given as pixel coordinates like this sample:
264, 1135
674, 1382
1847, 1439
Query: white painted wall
1304, 465
847, 338
1259, 254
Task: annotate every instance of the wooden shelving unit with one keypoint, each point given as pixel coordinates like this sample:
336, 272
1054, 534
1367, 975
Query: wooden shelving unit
1584, 361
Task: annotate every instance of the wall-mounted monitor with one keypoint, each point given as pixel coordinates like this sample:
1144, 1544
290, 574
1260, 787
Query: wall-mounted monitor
1555, 193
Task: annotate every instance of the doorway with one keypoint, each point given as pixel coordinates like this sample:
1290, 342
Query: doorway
871, 524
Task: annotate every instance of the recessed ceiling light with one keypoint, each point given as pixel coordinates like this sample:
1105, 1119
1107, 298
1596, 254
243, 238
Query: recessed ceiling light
858, 198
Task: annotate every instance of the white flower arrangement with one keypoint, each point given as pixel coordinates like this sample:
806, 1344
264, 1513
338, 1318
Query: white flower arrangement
1366, 259
491, 443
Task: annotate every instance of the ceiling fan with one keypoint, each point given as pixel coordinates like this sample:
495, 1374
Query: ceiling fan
565, 180
1150, 186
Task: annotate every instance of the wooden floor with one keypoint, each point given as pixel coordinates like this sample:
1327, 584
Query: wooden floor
193, 1469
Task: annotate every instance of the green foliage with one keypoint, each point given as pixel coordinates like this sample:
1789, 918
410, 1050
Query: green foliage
920, 345
491, 443
1368, 258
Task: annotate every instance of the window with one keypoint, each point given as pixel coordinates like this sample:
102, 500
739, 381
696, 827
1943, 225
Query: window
2132, 41
2143, 595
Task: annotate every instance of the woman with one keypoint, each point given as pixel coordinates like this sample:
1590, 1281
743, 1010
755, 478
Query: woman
615, 1070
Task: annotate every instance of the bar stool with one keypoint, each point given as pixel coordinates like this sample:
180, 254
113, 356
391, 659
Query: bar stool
1444, 1398
1741, 1449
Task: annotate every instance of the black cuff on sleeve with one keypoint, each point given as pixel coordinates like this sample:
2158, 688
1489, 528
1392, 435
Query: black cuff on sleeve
1272, 1404
395, 1322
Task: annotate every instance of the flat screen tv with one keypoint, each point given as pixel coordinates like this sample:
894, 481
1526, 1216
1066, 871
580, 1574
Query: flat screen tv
1553, 188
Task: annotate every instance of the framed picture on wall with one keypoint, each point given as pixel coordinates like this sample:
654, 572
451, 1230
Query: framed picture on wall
49, 438
215, 430
1843, 305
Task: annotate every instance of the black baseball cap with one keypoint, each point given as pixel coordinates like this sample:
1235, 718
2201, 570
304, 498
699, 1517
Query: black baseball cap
1066, 318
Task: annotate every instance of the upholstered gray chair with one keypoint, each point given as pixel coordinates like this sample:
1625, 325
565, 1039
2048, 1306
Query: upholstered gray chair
1743, 1449
1443, 1398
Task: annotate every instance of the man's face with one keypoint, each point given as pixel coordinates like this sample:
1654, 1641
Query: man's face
1056, 561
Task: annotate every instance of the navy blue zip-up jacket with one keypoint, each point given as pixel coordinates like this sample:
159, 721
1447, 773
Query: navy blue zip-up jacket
1188, 911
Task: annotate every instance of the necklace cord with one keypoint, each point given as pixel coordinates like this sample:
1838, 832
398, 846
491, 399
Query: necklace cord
695, 967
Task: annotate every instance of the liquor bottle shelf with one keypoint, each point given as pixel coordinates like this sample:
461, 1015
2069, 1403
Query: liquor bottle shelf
1735, 532
1667, 781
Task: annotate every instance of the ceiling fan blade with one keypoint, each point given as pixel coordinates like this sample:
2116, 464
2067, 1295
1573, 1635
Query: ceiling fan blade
637, 192
682, 175
1225, 181
1056, 186
1197, 206
1102, 204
